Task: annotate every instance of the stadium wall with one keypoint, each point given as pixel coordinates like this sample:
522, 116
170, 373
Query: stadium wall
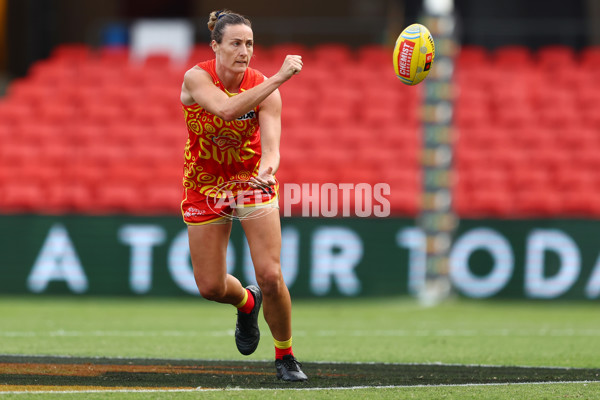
321, 257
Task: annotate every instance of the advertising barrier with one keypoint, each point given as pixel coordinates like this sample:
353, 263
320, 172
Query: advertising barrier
321, 257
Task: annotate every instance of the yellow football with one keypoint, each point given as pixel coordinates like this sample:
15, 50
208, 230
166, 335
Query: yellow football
413, 54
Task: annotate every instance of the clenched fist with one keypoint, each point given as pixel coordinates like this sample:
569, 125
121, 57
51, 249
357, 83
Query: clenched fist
292, 65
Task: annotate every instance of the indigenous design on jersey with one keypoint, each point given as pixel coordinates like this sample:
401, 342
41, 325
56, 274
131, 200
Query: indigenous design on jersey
220, 154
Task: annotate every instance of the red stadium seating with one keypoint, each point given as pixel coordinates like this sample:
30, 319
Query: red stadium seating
473, 57
483, 203
581, 202
19, 197
88, 131
536, 202
513, 57
369, 55
556, 56
333, 54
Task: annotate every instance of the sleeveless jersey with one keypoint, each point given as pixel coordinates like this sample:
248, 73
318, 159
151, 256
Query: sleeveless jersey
221, 155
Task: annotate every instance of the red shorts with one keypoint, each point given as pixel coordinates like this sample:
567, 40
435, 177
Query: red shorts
198, 209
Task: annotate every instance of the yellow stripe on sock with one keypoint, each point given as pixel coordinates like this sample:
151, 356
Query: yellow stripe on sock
283, 345
244, 301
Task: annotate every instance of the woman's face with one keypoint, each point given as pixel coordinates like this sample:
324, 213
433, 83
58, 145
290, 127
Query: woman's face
235, 50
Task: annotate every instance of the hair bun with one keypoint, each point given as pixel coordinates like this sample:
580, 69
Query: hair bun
214, 17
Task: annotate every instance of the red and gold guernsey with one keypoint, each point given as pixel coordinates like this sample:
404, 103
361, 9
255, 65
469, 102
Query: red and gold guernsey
221, 156
218, 151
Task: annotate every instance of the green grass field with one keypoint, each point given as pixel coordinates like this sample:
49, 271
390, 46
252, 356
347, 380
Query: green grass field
395, 330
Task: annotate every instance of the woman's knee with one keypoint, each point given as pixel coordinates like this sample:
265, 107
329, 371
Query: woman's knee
270, 281
213, 291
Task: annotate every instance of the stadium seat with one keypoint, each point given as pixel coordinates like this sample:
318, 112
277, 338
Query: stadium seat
590, 57
69, 197
581, 202
200, 52
482, 203
121, 94
27, 91
279, 51
21, 196
484, 138
558, 118
406, 179
474, 79
473, 96
570, 177
468, 158
523, 172
587, 96
552, 158
95, 76
320, 173
16, 153
515, 115
13, 113
552, 96
369, 55
163, 198
53, 73
295, 94
157, 61
556, 56
491, 178
473, 57
576, 138
293, 115
85, 172
7, 134
102, 113
58, 113
333, 54
357, 76
563, 77
591, 120
403, 202
72, 52
377, 117
514, 56
119, 197
407, 136
113, 56
537, 202
478, 117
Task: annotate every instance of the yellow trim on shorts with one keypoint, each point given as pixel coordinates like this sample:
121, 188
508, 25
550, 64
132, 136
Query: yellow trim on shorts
207, 222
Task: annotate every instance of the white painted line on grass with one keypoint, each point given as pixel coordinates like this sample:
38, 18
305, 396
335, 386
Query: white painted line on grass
294, 389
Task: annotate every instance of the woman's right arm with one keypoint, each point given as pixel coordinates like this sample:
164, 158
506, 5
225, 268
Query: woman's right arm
198, 84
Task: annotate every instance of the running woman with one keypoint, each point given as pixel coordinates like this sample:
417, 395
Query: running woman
233, 116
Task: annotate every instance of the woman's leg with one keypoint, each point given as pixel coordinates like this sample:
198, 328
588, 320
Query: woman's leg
208, 250
264, 238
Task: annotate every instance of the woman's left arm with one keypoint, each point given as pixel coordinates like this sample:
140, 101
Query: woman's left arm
269, 119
